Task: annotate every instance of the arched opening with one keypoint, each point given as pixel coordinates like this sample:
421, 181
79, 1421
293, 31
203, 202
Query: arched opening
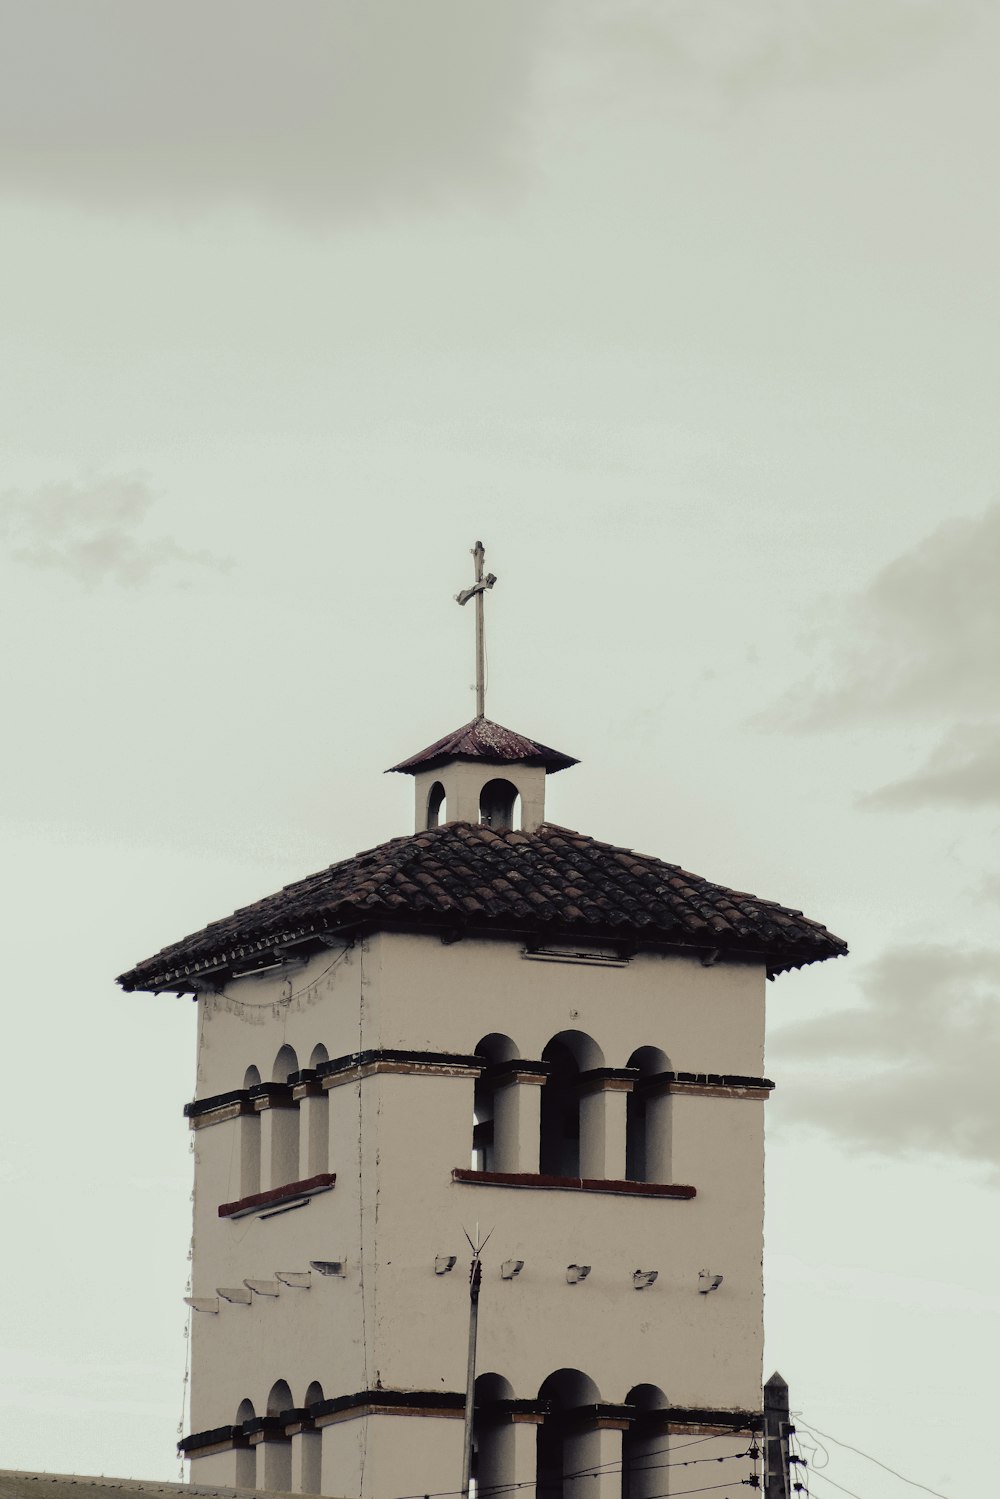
437, 808
317, 1120
249, 1141
492, 1437
565, 1446
246, 1456
647, 1120
644, 1447
285, 1063
283, 1124
498, 805
568, 1054
312, 1446
278, 1447
490, 1119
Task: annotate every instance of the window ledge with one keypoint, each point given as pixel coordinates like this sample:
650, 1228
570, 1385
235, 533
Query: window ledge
259, 1202
533, 1179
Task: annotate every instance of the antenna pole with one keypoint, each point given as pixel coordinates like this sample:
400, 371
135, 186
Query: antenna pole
475, 1279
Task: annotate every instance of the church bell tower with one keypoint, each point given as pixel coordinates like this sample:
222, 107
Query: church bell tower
489, 1021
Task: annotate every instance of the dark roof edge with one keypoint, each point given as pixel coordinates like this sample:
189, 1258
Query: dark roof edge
521, 750
449, 930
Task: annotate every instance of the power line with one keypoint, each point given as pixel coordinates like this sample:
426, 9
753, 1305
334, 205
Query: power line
884, 1466
837, 1485
605, 1470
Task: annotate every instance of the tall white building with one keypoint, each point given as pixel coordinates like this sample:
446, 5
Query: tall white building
490, 1021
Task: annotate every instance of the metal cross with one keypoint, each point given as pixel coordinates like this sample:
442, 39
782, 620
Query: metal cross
476, 592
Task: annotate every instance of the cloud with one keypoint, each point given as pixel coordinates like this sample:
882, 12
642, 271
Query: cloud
918, 646
326, 109
311, 108
964, 771
737, 51
921, 639
92, 531
915, 1065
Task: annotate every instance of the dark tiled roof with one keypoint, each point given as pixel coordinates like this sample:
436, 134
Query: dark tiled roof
550, 885
484, 740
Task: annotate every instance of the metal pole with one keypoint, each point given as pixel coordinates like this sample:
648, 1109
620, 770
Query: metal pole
479, 553
475, 1278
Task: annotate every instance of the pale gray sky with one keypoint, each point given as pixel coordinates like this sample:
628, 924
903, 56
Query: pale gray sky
690, 311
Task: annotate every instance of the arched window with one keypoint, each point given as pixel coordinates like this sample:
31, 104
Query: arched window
312, 1446
564, 1446
493, 1458
647, 1125
644, 1447
491, 1124
316, 1109
246, 1457
278, 1447
498, 804
568, 1054
249, 1127
437, 810
283, 1124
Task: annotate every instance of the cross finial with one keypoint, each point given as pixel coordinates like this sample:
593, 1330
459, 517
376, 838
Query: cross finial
476, 592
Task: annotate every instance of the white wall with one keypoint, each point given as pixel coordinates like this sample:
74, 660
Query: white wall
395, 1205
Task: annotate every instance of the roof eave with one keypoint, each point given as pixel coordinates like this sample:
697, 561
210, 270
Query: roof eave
196, 976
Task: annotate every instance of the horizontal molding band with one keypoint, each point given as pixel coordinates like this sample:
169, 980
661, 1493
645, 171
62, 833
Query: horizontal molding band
537, 1181
360, 1059
456, 1064
503, 1072
706, 1419
708, 1079
261, 1201
450, 1403
236, 1101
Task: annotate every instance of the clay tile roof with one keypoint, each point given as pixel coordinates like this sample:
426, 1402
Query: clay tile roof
484, 740
544, 886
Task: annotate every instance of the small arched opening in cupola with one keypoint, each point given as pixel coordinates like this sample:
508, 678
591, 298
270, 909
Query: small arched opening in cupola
499, 805
437, 806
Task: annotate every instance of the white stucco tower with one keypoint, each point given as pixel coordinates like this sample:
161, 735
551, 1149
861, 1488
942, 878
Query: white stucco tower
490, 1020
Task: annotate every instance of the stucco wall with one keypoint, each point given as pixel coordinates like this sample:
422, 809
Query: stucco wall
394, 1141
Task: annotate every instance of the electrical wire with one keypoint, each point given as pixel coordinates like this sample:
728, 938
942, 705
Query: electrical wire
608, 1470
884, 1466
285, 999
850, 1492
802, 1464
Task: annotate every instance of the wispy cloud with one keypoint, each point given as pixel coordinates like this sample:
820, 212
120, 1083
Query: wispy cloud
919, 645
742, 50
963, 771
912, 1070
921, 639
95, 532
312, 109
322, 111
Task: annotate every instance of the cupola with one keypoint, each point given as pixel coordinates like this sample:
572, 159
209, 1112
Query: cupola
483, 773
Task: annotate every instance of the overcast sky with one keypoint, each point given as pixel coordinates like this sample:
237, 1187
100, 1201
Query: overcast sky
690, 311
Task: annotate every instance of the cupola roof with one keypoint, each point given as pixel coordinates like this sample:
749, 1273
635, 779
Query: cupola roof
482, 739
463, 879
